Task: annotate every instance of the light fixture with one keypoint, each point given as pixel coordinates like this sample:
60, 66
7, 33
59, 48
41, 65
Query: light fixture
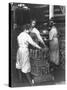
20, 5
23, 6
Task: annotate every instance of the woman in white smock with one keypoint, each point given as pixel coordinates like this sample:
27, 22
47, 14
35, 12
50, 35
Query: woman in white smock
23, 60
54, 45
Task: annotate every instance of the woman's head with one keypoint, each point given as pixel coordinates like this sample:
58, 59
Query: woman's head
33, 22
26, 27
51, 23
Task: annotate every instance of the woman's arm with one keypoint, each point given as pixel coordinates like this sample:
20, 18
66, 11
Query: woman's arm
30, 40
39, 36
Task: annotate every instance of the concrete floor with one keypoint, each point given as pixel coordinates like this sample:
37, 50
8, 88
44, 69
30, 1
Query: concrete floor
59, 78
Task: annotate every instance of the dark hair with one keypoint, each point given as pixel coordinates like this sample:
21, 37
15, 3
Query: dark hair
51, 22
34, 19
27, 27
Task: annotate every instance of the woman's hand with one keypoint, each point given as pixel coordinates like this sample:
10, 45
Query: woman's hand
40, 48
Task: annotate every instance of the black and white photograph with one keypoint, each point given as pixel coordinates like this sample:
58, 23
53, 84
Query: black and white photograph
36, 44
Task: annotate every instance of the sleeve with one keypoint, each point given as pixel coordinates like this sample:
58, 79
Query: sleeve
30, 40
52, 33
39, 36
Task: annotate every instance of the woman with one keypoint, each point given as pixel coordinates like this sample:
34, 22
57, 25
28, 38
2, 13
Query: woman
35, 31
54, 45
23, 60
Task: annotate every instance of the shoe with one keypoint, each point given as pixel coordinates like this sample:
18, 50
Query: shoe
53, 78
33, 81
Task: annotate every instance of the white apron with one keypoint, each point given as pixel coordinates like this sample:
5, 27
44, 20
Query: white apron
23, 61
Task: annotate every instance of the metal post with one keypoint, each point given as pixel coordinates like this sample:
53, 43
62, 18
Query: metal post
51, 11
